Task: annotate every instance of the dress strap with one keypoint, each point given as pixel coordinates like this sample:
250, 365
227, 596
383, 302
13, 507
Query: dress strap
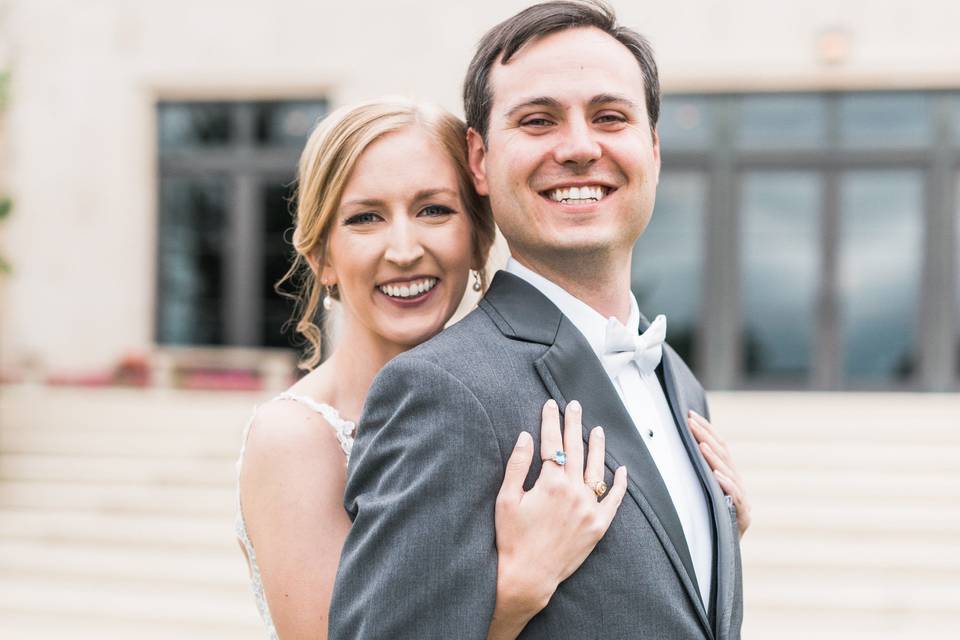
346, 430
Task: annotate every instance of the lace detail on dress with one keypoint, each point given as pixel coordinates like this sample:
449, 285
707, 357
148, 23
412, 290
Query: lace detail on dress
345, 431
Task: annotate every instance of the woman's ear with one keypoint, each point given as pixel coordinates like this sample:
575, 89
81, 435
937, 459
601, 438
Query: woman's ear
322, 270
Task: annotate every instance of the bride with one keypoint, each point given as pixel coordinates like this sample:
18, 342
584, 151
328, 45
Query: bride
390, 231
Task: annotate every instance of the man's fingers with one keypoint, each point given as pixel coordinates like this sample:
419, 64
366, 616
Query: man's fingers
611, 502
518, 465
573, 439
550, 439
595, 456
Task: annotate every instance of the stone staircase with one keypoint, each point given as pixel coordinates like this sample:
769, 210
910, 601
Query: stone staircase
116, 514
856, 513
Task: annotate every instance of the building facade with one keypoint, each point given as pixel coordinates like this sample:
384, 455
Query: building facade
805, 235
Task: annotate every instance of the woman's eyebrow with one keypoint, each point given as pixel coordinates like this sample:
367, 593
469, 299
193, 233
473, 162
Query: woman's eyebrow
423, 194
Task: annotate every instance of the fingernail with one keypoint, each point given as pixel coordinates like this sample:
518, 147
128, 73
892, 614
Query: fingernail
574, 405
552, 403
523, 440
599, 431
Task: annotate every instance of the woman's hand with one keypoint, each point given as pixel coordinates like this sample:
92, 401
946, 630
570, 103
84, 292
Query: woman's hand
545, 534
718, 456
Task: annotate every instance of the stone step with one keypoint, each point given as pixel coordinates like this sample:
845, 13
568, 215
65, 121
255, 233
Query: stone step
142, 603
114, 498
828, 417
827, 593
90, 527
167, 470
80, 626
775, 516
851, 455
220, 570
798, 623
828, 554
844, 484
146, 444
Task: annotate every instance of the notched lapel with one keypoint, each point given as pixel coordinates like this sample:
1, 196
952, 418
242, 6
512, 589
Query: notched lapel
680, 405
571, 371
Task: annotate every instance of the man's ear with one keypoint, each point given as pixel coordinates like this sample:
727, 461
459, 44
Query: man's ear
477, 156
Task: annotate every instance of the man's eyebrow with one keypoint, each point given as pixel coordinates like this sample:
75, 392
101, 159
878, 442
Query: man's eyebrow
540, 101
612, 98
552, 103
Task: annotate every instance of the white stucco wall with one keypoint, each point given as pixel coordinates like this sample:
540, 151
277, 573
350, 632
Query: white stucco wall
79, 150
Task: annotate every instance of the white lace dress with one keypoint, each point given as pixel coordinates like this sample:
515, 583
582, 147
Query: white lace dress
345, 431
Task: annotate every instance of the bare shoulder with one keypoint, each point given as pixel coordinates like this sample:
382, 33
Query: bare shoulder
290, 441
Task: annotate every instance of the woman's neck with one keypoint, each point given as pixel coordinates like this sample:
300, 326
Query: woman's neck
344, 379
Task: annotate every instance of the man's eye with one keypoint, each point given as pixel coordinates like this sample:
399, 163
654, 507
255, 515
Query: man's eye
362, 218
536, 122
434, 210
605, 118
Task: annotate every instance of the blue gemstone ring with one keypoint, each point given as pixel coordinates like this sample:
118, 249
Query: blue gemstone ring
559, 457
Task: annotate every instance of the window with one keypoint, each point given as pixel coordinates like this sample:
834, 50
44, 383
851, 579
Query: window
668, 259
816, 219
226, 170
780, 267
880, 264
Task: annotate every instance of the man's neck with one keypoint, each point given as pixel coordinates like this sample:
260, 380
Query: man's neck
604, 285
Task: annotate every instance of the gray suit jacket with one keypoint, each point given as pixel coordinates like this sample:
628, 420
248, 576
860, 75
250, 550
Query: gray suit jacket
438, 426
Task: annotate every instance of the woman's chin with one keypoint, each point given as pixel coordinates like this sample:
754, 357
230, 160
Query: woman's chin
409, 337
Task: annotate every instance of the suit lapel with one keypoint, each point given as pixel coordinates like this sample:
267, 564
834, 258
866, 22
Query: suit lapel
570, 370
724, 560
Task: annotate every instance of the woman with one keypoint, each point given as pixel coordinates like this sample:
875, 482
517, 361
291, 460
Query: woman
389, 225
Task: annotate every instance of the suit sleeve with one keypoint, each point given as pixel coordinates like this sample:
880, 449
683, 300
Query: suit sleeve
420, 559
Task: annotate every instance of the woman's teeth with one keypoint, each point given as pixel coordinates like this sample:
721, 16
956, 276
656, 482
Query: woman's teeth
578, 195
408, 289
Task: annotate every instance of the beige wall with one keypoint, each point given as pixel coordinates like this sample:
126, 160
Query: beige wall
80, 149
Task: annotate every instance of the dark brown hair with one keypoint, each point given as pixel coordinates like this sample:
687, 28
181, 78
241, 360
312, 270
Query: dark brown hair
504, 40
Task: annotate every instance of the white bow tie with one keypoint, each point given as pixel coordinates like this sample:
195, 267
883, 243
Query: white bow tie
620, 346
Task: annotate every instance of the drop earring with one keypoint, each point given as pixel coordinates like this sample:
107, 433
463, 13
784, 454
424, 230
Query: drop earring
329, 292
478, 280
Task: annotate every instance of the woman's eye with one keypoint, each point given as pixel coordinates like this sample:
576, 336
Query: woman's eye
362, 218
436, 210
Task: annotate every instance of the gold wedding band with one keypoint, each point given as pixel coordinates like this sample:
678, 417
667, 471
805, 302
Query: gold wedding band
599, 487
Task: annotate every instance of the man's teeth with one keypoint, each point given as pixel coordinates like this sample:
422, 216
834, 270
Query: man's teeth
578, 194
408, 289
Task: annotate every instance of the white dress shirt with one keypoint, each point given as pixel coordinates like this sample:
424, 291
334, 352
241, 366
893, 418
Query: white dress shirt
647, 405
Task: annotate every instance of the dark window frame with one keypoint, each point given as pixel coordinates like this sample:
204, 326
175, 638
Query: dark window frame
719, 348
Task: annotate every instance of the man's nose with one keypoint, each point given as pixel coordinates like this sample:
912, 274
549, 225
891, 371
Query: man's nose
578, 145
404, 248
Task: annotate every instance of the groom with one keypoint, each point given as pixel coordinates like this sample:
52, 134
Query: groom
562, 106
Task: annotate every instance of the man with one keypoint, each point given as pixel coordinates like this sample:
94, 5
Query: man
562, 106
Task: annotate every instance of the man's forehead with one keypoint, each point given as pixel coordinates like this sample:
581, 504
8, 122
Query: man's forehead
578, 55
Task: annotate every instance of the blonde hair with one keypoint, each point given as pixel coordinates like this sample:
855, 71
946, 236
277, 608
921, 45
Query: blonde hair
326, 164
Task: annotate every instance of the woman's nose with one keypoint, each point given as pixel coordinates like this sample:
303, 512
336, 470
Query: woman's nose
404, 248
